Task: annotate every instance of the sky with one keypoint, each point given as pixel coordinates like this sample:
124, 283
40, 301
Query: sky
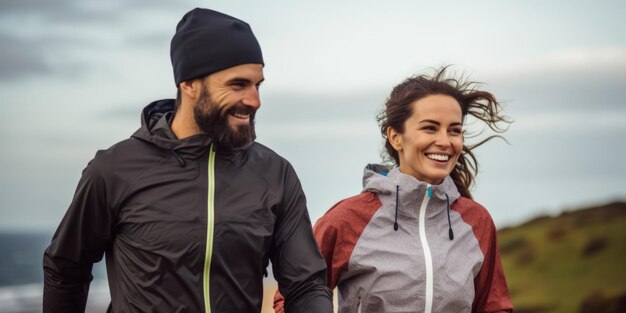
75, 75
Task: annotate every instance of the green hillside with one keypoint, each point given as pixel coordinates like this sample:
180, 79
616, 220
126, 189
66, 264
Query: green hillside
575, 262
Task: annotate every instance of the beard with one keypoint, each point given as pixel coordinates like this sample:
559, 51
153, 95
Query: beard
213, 121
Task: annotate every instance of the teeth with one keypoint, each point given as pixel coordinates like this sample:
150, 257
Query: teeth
238, 115
438, 157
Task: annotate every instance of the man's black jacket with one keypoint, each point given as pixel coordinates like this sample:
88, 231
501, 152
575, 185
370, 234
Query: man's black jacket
185, 228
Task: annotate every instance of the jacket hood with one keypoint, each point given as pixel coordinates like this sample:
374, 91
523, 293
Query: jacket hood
155, 129
386, 181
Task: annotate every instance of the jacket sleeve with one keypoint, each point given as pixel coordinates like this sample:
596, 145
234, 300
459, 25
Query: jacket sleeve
326, 237
491, 291
78, 242
296, 260
337, 233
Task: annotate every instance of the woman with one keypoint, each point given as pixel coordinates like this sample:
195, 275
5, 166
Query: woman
414, 240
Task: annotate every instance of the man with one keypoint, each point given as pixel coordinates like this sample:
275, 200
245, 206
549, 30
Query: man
190, 209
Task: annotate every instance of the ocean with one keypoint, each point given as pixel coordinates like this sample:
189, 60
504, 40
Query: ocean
21, 275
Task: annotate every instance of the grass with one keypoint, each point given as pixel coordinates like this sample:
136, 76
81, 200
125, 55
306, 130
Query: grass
555, 264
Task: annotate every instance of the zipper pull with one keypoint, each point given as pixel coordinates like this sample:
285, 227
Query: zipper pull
430, 192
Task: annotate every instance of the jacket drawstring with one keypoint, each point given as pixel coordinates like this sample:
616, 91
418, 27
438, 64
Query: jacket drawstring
395, 223
450, 233
180, 160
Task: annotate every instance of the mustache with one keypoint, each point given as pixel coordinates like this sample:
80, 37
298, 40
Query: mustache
239, 108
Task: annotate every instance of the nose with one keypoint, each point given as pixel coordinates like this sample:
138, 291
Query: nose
252, 98
443, 140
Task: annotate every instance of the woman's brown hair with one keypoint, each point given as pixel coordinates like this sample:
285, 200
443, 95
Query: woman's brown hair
480, 104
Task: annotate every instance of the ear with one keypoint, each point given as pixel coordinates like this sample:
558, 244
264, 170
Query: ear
395, 139
191, 88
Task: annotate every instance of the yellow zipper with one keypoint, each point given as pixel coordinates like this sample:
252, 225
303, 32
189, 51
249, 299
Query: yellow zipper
209, 229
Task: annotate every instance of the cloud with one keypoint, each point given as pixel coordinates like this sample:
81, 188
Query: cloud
58, 12
70, 11
577, 59
20, 58
584, 80
9, 7
126, 113
596, 122
60, 37
321, 129
42, 45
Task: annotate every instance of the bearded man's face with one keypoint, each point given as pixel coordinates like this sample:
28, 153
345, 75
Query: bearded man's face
227, 104
214, 121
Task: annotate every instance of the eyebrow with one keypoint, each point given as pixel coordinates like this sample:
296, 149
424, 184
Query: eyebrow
244, 80
437, 123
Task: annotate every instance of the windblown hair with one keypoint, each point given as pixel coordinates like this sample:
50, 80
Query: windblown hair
480, 104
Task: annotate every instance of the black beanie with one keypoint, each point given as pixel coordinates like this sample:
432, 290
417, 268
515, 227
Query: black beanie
208, 41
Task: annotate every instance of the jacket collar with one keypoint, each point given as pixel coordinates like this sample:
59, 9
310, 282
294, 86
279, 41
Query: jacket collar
386, 181
155, 129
